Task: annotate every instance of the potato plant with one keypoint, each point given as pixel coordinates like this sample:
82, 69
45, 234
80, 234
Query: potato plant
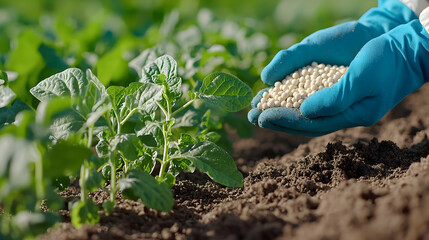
137, 138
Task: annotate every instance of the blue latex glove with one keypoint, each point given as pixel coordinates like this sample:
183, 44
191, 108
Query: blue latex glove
336, 45
385, 71
339, 44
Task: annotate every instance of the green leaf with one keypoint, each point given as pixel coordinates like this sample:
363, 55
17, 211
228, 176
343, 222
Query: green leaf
102, 148
4, 80
96, 101
150, 133
6, 96
146, 57
66, 122
163, 71
96, 162
132, 88
185, 142
165, 65
53, 61
65, 158
75, 83
117, 96
189, 37
190, 118
8, 114
112, 66
106, 172
46, 110
141, 185
90, 97
169, 23
210, 123
53, 200
168, 179
26, 60
94, 181
226, 91
84, 212
178, 165
71, 82
215, 162
16, 158
128, 144
23, 126
108, 206
173, 86
210, 136
145, 163
142, 97
61, 183
102, 107
33, 224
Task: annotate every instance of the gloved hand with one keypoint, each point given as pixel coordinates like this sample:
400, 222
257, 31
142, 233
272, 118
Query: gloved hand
385, 71
336, 45
339, 44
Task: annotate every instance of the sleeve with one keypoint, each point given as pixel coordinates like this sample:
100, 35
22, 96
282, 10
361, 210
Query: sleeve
416, 5
424, 18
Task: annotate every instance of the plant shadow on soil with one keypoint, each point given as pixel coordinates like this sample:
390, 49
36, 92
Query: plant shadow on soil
359, 183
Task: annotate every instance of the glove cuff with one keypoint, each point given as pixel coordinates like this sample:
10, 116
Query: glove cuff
424, 19
388, 15
416, 5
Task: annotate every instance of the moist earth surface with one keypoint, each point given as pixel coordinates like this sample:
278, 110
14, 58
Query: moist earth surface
358, 183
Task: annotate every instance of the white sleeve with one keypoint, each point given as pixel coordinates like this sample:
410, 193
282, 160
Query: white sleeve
424, 18
416, 5
421, 9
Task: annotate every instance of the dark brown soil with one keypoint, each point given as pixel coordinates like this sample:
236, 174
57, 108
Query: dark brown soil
360, 183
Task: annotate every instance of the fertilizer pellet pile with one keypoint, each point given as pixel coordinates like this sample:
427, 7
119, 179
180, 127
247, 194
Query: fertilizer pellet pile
291, 91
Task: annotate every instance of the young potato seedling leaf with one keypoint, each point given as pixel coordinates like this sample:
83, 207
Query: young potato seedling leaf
226, 91
84, 212
4, 80
141, 185
145, 57
165, 65
6, 96
71, 82
32, 224
215, 162
8, 114
65, 158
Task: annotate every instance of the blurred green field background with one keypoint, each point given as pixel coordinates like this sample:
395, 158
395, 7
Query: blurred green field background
42, 37
273, 17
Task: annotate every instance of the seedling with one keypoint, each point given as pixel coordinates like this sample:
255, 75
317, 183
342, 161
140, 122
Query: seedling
139, 127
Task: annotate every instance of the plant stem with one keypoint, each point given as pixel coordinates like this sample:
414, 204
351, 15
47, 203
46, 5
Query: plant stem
112, 176
90, 132
165, 132
162, 109
125, 161
128, 116
183, 107
40, 191
5, 219
118, 127
109, 123
82, 182
84, 171
165, 154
